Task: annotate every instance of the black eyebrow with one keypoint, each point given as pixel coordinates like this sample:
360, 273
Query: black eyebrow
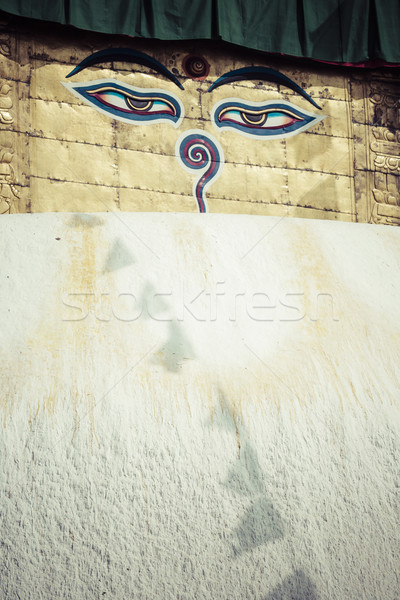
126, 55
263, 73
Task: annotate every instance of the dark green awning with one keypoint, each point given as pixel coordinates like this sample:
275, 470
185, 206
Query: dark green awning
344, 31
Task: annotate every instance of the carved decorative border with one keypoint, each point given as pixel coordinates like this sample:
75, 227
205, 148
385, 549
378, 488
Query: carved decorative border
8, 190
384, 147
5, 44
6, 103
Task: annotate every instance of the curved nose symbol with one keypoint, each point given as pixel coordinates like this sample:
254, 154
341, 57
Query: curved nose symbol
199, 151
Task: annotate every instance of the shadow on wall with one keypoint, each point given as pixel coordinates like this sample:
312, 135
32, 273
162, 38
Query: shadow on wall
119, 256
295, 587
176, 350
261, 523
177, 347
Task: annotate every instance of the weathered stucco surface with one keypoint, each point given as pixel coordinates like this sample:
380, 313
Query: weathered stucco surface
58, 154
198, 406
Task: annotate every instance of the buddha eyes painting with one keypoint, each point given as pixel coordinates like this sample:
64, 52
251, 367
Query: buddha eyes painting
262, 119
130, 104
196, 150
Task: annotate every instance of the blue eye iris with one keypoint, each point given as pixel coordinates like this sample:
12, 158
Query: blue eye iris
126, 103
266, 119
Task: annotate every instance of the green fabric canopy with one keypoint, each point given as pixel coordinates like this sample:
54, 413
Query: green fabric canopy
344, 31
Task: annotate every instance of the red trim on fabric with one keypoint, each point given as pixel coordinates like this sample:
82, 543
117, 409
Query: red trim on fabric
369, 64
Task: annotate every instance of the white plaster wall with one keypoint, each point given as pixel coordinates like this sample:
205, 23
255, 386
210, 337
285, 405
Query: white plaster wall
194, 445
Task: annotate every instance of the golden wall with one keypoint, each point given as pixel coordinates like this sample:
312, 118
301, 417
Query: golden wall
57, 153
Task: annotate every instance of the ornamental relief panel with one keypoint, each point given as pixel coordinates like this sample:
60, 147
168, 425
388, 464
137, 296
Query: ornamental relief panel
5, 38
6, 103
8, 190
5, 44
378, 168
384, 100
385, 152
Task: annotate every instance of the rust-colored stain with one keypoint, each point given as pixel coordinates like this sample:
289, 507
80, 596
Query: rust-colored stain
62, 341
234, 409
339, 360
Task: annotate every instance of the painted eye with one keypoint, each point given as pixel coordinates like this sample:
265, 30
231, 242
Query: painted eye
273, 119
129, 104
133, 104
270, 119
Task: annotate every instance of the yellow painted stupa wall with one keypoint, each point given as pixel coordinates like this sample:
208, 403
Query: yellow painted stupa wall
59, 154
